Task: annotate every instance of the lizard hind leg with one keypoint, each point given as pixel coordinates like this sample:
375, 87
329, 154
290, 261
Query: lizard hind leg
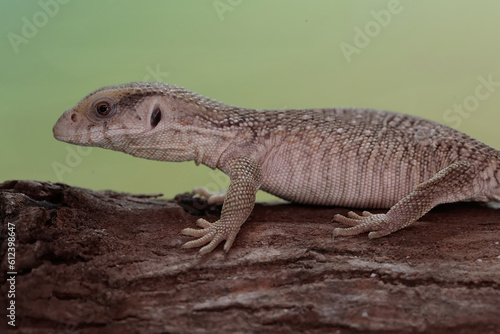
454, 183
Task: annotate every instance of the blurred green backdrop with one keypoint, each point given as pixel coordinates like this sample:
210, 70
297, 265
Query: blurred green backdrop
426, 58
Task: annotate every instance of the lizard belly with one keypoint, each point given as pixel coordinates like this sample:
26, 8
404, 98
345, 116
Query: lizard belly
339, 176
299, 188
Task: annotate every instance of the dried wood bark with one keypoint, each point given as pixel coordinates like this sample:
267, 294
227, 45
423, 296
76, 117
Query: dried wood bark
94, 262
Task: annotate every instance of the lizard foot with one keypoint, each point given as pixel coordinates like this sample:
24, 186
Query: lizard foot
377, 224
211, 234
212, 197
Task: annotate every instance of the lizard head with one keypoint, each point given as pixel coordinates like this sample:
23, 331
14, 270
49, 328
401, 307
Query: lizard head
110, 113
142, 119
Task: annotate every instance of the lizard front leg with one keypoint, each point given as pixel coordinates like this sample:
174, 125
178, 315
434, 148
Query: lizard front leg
449, 185
246, 178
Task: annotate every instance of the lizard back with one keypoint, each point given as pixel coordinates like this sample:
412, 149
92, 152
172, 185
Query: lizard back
356, 157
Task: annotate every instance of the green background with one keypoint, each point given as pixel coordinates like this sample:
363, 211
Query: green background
250, 53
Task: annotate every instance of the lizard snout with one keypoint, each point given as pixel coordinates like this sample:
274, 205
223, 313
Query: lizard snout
62, 130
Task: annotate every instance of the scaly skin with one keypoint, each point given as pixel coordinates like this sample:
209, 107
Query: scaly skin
359, 158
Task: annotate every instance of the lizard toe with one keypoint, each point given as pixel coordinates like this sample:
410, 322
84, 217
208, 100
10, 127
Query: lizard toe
346, 220
194, 232
212, 197
375, 224
379, 234
339, 231
354, 215
210, 235
203, 223
211, 246
198, 242
362, 228
229, 242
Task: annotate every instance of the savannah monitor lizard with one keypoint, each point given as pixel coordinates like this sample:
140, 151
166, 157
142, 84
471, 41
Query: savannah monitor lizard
358, 158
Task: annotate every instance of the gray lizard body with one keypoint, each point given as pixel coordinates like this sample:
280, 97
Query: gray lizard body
358, 158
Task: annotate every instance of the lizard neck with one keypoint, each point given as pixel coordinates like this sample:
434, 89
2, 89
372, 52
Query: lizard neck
213, 131
178, 142
211, 145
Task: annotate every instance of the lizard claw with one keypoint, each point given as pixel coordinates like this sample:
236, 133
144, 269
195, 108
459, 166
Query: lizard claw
211, 234
377, 224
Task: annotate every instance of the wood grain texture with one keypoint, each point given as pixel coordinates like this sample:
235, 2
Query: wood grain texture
94, 262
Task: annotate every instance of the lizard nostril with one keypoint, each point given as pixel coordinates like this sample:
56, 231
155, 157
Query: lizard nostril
155, 117
73, 117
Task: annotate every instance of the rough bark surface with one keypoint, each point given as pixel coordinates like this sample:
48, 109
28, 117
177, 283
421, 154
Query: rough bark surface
95, 262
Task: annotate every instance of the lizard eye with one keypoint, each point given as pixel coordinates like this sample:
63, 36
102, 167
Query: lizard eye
103, 108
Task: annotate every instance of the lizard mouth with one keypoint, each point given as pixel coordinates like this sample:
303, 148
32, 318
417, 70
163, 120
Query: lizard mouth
73, 139
157, 148
61, 133
64, 133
